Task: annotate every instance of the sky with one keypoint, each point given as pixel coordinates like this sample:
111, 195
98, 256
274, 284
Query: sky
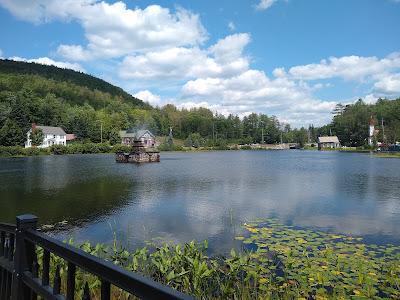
295, 59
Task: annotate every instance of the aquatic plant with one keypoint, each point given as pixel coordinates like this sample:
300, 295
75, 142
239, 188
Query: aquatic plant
284, 263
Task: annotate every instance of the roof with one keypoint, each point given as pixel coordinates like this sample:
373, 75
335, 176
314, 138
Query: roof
71, 137
328, 139
134, 134
51, 130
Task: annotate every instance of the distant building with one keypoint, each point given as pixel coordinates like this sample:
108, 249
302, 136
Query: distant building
373, 133
70, 137
51, 136
328, 142
145, 136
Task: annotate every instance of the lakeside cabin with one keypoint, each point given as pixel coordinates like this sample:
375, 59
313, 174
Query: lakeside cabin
128, 137
143, 144
51, 136
328, 142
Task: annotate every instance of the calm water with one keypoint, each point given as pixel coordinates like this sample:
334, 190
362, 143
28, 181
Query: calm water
205, 195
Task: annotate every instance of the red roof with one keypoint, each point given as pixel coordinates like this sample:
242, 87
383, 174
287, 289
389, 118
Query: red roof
70, 137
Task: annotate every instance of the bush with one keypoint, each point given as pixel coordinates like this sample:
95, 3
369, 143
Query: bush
121, 148
104, 148
167, 147
59, 149
246, 147
35, 151
11, 151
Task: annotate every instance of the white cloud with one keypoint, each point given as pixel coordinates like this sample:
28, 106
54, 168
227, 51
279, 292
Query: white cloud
388, 85
265, 4
50, 62
347, 67
113, 30
224, 59
231, 26
254, 91
1, 53
149, 97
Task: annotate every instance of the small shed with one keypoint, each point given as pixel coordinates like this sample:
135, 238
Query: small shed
330, 142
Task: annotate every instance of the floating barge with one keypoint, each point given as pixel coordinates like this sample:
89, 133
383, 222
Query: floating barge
139, 154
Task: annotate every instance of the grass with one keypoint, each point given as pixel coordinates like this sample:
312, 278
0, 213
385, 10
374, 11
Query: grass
388, 155
285, 263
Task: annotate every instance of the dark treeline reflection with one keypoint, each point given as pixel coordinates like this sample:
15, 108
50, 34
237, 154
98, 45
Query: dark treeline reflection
57, 189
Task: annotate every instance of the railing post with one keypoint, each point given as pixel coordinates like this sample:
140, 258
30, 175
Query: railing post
23, 258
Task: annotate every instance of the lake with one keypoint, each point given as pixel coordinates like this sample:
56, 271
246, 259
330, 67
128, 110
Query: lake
205, 195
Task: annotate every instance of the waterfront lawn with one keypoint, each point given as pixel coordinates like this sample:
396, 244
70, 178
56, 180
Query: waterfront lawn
285, 263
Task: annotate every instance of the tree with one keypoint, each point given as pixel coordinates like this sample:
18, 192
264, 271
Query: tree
11, 134
37, 137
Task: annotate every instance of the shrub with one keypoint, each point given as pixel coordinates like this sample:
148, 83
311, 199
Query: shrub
59, 149
11, 150
34, 151
121, 148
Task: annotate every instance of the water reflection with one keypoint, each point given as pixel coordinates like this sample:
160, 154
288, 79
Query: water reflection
206, 195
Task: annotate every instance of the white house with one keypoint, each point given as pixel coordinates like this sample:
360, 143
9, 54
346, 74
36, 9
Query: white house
145, 136
51, 136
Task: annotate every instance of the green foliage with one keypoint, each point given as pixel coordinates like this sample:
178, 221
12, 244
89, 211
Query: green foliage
66, 75
10, 151
350, 123
37, 137
169, 147
288, 263
11, 134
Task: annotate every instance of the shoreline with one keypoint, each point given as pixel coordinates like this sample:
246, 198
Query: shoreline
94, 148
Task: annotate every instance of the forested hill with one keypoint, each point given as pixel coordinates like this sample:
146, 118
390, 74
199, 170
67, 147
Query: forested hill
66, 75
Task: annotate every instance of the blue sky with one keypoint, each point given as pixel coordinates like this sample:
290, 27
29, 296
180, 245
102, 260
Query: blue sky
291, 58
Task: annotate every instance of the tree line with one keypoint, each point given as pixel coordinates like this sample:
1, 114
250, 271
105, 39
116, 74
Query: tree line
351, 122
96, 115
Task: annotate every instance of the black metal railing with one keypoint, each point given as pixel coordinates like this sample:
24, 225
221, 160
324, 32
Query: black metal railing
19, 268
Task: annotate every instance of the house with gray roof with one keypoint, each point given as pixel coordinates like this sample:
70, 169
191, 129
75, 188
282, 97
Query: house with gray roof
51, 136
331, 142
147, 138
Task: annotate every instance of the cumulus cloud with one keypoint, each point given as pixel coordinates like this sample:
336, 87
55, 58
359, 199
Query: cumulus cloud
347, 67
223, 59
1, 53
148, 97
254, 91
50, 62
265, 4
113, 30
388, 85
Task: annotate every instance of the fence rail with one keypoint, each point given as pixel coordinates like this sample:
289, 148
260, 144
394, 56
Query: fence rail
19, 268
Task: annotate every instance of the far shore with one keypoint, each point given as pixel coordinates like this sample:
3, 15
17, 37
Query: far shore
93, 148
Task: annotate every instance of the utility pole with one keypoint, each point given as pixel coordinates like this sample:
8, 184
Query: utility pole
213, 134
101, 132
262, 135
